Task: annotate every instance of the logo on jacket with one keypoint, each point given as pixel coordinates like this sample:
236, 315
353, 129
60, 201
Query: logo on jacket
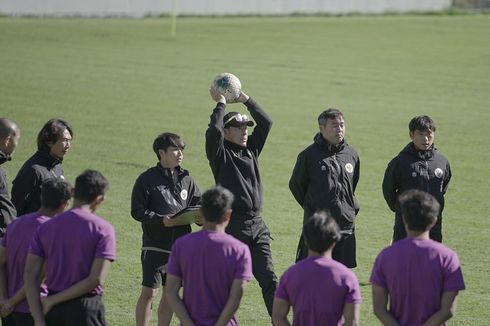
349, 167
439, 173
183, 194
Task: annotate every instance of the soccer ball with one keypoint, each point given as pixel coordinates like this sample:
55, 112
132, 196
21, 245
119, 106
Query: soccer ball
228, 85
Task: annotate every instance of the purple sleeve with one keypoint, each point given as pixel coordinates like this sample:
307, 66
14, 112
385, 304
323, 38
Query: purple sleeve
453, 277
106, 247
377, 275
353, 291
36, 247
281, 291
173, 266
243, 269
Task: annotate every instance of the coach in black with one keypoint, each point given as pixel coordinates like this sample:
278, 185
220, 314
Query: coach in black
53, 142
233, 157
158, 194
325, 178
9, 138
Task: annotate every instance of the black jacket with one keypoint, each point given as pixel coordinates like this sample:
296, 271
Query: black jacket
236, 167
7, 209
155, 195
412, 169
325, 178
26, 187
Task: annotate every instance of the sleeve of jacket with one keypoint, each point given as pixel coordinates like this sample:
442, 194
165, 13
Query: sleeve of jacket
195, 193
256, 140
140, 204
357, 172
214, 134
7, 209
298, 183
447, 178
390, 186
23, 187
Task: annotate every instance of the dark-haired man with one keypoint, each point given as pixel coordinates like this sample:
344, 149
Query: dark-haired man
53, 142
213, 267
158, 194
55, 197
233, 157
9, 138
321, 290
416, 280
77, 248
325, 177
418, 166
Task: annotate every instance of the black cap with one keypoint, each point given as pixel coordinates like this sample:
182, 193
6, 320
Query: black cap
235, 119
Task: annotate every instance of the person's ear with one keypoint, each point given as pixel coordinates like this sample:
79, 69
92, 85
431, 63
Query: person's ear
227, 215
411, 134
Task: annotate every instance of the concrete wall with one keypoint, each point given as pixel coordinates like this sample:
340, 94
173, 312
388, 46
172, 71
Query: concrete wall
138, 8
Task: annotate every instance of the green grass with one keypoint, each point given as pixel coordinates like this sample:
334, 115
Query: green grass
121, 82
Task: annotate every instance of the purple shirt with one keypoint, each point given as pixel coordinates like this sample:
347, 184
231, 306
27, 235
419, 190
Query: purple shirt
318, 288
70, 243
208, 263
16, 243
416, 273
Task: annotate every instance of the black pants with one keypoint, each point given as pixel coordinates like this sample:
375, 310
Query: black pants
343, 252
399, 231
84, 311
255, 234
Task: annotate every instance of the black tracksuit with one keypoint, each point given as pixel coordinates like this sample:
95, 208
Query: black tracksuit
7, 208
26, 187
155, 195
428, 171
236, 168
325, 177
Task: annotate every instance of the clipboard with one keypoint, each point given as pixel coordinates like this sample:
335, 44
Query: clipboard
188, 215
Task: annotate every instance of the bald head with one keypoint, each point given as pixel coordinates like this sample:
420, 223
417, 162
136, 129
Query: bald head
9, 136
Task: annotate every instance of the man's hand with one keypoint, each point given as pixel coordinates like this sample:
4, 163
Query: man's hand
6, 308
47, 304
216, 95
242, 98
168, 222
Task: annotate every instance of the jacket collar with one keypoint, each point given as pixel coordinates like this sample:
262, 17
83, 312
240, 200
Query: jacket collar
424, 155
167, 172
324, 145
233, 146
50, 160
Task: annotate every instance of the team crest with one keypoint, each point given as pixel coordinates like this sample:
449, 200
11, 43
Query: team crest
349, 167
439, 173
414, 174
183, 194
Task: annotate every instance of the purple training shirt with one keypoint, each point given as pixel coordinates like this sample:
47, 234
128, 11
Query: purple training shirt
70, 243
318, 288
416, 273
16, 242
208, 263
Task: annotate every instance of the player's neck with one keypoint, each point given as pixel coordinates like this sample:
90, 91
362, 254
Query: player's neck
214, 227
421, 235
326, 254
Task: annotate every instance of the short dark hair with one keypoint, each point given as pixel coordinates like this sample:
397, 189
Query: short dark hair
215, 202
166, 140
419, 209
89, 185
55, 192
8, 128
422, 122
330, 113
321, 232
51, 132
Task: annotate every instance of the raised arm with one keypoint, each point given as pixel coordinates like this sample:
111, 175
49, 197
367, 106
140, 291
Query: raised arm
256, 140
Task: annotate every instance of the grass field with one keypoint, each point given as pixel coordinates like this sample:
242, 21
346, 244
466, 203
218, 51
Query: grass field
121, 82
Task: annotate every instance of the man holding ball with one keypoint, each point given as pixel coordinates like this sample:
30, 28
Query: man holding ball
233, 157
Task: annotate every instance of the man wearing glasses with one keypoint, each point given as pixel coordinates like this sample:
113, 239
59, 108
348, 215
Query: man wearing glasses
233, 157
